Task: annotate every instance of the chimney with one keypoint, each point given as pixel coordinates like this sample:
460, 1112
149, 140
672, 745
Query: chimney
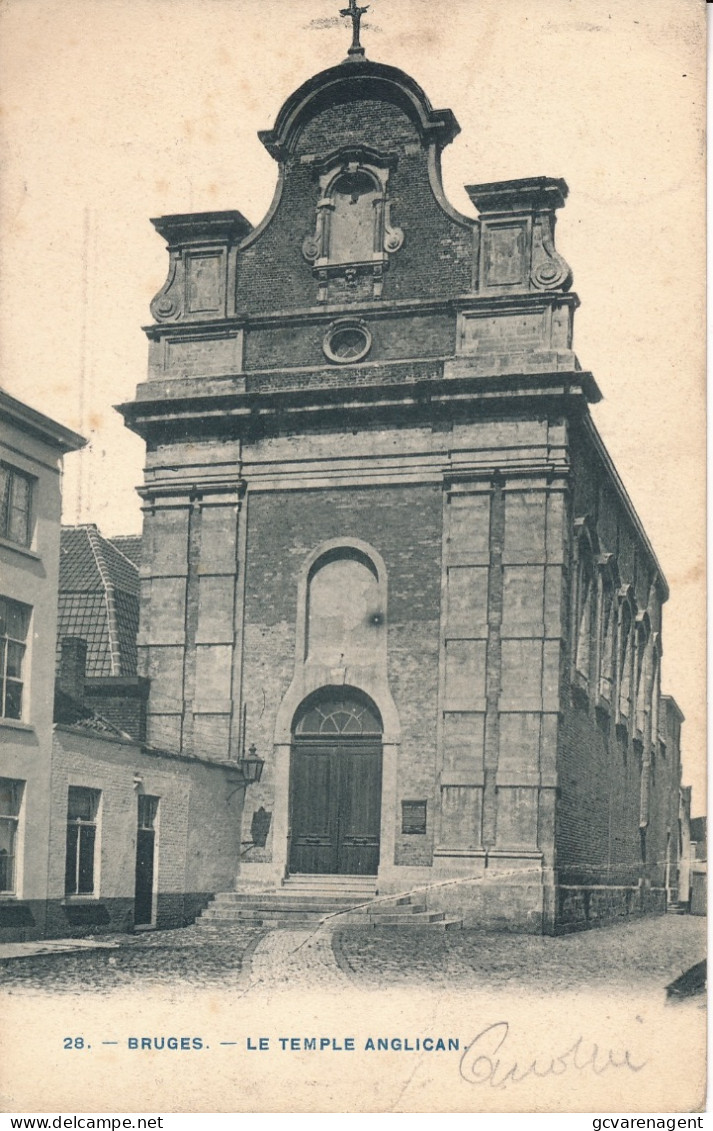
72, 667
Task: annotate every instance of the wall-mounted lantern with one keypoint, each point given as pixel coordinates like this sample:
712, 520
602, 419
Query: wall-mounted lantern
251, 767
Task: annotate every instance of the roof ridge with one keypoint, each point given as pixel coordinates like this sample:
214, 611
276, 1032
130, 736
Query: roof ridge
119, 551
108, 585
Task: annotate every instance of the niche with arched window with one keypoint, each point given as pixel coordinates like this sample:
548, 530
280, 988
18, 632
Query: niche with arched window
353, 233
345, 609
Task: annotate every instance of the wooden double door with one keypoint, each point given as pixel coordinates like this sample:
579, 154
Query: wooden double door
336, 790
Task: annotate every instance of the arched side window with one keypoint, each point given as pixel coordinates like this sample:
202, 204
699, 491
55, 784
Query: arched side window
655, 689
585, 596
607, 630
625, 650
642, 670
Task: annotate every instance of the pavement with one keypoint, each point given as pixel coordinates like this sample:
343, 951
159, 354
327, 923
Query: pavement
646, 953
51, 946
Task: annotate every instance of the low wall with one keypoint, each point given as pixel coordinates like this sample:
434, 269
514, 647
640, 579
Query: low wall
579, 907
30, 920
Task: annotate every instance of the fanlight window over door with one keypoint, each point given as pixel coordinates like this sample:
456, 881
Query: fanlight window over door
342, 714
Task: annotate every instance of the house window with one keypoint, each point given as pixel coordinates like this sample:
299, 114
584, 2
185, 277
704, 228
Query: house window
14, 622
145, 859
15, 505
10, 800
148, 808
82, 807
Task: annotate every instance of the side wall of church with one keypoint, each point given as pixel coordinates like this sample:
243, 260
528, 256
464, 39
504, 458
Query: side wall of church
618, 789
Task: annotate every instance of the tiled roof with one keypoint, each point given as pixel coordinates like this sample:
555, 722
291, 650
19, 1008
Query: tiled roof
89, 562
98, 601
130, 546
85, 615
70, 713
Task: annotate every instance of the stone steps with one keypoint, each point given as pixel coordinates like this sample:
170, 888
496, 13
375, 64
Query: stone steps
239, 901
305, 900
440, 923
261, 917
334, 885
417, 918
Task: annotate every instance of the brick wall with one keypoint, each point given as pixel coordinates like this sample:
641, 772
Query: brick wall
436, 257
404, 526
120, 701
197, 834
416, 336
617, 799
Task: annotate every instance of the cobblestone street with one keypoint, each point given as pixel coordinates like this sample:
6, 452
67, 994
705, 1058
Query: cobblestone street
231, 987
642, 954
646, 954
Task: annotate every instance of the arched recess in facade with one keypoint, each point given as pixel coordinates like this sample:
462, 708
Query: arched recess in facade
335, 784
354, 659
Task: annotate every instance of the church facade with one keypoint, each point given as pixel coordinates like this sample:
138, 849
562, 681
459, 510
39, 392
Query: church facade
384, 542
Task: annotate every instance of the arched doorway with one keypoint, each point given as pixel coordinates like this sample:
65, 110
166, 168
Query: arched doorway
335, 784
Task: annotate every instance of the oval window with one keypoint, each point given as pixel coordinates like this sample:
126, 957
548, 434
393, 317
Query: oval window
347, 341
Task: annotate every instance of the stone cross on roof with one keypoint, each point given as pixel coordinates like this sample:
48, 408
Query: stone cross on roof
356, 13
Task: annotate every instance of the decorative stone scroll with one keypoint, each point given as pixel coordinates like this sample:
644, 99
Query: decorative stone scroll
517, 246
203, 251
353, 234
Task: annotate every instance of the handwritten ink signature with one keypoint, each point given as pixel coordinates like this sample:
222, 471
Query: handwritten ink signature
485, 1061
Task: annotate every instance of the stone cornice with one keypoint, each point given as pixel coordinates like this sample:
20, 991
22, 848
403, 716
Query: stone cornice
187, 229
351, 81
397, 308
598, 444
383, 399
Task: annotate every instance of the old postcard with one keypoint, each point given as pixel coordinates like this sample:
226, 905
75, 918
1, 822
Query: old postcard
352, 722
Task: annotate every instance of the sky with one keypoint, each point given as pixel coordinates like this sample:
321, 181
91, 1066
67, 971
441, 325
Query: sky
114, 111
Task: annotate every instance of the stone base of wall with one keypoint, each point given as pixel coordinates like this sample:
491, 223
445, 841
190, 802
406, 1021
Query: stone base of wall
180, 910
30, 920
488, 904
580, 906
22, 920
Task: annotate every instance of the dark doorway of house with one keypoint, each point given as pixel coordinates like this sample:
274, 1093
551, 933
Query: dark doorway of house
336, 785
145, 855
